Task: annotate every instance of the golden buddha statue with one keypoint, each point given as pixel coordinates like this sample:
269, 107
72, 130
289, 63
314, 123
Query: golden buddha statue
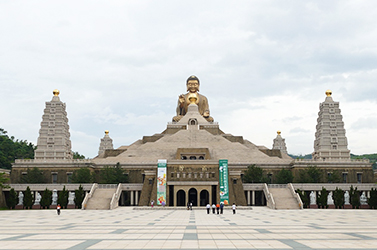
184, 100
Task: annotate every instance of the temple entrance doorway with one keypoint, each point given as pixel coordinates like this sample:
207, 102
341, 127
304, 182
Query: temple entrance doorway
204, 198
193, 196
181, 198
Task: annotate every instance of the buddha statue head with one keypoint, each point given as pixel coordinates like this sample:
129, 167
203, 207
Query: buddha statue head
192, 84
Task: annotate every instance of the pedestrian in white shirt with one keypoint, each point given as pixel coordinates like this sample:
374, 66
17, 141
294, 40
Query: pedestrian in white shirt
234, 208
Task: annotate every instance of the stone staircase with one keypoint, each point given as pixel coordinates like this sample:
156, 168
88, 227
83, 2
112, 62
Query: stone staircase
284, 198
101, 199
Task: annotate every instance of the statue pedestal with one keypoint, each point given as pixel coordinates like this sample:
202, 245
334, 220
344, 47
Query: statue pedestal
313, 206
36, 207
19, 207
71, 206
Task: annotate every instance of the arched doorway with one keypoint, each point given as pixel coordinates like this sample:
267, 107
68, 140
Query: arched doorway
193, 196
204, 198
181, 198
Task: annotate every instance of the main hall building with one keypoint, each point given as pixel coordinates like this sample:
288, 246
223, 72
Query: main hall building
192, 160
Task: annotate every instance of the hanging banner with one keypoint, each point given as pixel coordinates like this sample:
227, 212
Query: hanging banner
161, 182
224, 184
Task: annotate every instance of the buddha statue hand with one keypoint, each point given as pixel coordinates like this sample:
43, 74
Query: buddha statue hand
181, 99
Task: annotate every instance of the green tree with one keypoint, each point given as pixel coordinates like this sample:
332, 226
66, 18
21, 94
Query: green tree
284, 176
372, 200
3, 180
63, 198
254, 174
76, 155
12, 199
309, 175
113, 175
11, 149
338, 196
79, 197
322, 198
46, 199
33, 175
82, 175
354, 197
334, 177
314, 174
304, 197
371, 157
28, 198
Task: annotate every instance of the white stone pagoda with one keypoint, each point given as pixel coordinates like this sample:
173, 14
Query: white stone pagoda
106, 143
279, 143
330, 137
54, 137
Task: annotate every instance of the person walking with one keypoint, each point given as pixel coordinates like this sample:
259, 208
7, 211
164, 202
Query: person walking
152, 202
218, 208
213, 208
58, 207
190, 205
234, 208
221, 207
208, 208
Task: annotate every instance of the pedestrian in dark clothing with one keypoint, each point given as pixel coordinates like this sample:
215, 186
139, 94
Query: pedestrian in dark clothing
58, 209
208, 208
218, 208
221, 207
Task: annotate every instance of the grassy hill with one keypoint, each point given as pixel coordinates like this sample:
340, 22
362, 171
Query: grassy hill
371, 157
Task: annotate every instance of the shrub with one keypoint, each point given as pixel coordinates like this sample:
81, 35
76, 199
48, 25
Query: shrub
12, 199
28, 198
372, 201
46, 199
338, 198
304, 198
354, 197
79, 196
63, 198
322, 198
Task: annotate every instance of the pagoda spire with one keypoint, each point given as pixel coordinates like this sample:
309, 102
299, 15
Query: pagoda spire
330, 137
279, 143
54, 137
106, 143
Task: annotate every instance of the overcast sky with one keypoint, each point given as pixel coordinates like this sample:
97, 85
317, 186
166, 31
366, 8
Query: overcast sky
121, 65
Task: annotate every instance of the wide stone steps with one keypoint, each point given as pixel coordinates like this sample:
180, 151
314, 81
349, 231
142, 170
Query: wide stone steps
284, 198
101, 199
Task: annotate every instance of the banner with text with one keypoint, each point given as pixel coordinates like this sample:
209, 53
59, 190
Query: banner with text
161, 182
224, 184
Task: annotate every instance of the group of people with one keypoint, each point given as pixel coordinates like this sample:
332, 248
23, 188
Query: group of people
219, 208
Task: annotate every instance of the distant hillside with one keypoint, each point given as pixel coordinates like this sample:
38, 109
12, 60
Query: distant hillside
371, 157
11, 149
309, 156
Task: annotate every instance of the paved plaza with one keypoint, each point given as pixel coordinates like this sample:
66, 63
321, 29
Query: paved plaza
126, 228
